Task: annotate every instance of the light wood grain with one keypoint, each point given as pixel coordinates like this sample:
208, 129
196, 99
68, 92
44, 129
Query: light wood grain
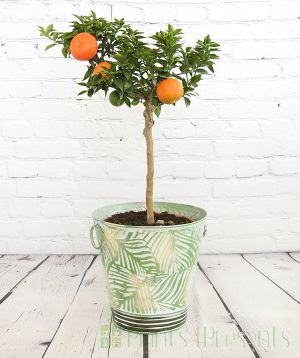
281, 269
13, 268
30, 317
295, 256
59, 309
86, 330
270, 317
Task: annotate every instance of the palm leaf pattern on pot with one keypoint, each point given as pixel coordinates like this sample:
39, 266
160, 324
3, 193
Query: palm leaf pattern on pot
143, 294
171, 292
130, 291
173, 250
149, 271
127, 250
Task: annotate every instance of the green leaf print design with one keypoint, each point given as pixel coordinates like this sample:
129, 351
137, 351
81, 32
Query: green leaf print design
129, 251
141, 294
130, 291
175, 249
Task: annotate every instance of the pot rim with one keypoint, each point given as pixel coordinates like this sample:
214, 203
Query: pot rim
146, 227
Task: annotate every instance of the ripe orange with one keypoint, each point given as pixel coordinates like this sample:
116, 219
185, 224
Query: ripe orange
100, 68
169, 90
84, 46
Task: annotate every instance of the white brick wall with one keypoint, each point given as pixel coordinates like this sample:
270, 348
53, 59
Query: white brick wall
235, 151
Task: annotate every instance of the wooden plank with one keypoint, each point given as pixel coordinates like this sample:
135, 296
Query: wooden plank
281, 269
87, 327
295, 256
118, 342
13, 269
268, 314
31, 316
210, 330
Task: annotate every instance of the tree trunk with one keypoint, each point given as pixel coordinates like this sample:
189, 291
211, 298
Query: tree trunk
148, 115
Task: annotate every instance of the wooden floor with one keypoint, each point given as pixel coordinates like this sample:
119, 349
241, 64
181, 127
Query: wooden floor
241, 306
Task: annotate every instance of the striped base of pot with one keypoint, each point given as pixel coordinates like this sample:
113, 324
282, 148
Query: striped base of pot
149, 323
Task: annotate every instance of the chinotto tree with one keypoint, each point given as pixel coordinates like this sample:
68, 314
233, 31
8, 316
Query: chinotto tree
134, 69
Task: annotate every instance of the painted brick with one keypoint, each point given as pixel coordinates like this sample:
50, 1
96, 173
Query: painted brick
48, 149
92, 169
235, 151
133, 13
24, 89
6, 148
16, 129
60, 168
7, 188
56, 208
191, 14
284, 166
177, 189
46, 188
24, 208
244, 129
219, 169
22, 169
20, 50
250, 168
160, 13
49, 128
244, 188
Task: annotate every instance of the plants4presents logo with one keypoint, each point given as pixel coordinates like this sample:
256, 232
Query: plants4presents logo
202, 338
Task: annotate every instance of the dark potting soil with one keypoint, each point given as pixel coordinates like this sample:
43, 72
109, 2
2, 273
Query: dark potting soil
139, 218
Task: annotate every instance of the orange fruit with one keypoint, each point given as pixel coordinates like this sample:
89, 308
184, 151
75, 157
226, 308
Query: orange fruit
84, 46
169, 90
100, 68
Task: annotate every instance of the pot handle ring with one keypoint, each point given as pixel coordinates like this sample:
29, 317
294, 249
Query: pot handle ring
96, 245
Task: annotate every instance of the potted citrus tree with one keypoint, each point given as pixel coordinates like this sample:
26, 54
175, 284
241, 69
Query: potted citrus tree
149, 249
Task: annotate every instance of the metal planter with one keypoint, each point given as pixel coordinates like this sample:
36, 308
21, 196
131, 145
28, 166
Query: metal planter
149, 269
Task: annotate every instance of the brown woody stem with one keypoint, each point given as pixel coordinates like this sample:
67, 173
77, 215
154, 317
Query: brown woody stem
148, 115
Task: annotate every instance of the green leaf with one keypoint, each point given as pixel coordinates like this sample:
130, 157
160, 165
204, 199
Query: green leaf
64, 51
49, 46
119, 84
42, 31
90, 92
202, 70
195, 79
157, 111
82, 92
88, 73
211, 68
127, 74
187, 101
49, 28
170, 28
127, 84
127, 101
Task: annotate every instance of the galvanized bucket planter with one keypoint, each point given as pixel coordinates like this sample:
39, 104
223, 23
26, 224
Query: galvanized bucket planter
149, 269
